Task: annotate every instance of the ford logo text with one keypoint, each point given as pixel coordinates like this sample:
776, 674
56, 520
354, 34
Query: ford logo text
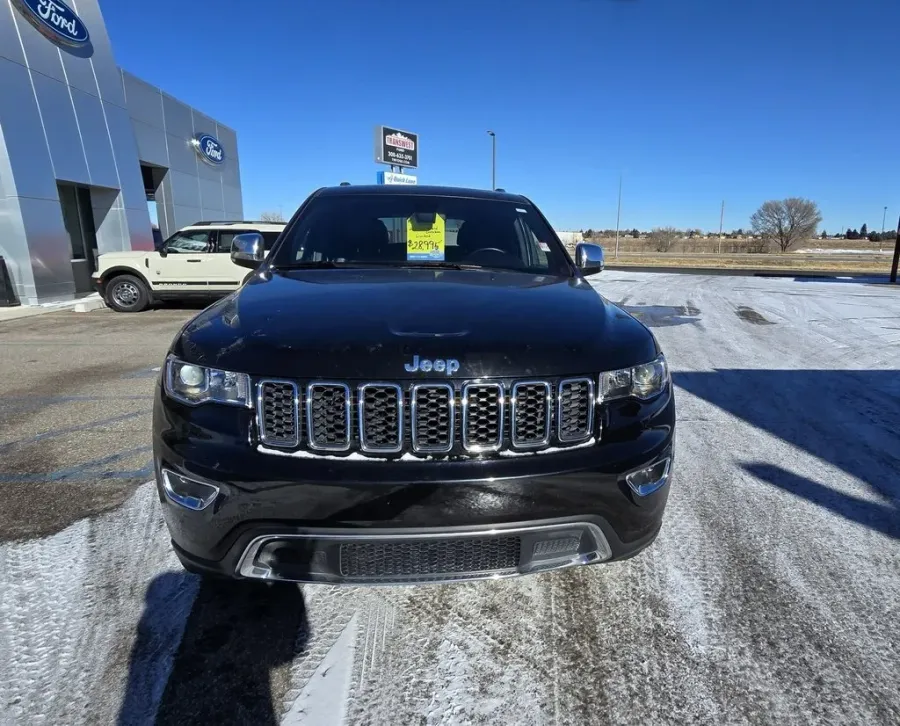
438, 365
55, 20
209, 149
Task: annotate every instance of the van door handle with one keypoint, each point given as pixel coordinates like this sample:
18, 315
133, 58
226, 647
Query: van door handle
193, 260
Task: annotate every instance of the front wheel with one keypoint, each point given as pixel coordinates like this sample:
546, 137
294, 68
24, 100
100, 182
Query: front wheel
127, 294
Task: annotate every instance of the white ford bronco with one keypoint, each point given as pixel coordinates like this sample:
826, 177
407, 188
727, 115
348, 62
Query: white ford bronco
195, 262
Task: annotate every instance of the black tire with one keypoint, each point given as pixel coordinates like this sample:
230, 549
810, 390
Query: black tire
124, 288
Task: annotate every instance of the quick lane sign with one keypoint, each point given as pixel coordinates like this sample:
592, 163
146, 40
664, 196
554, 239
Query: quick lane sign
392, 177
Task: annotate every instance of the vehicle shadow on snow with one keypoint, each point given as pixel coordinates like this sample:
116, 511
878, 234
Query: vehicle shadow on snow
849, 418
234, 636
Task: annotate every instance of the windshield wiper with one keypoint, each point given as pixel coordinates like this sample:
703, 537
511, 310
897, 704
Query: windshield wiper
319, 264
435, 265
331, 265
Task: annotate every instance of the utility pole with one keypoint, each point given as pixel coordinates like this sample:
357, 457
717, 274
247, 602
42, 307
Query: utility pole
881, 240
493, 160
721, 223
618, 216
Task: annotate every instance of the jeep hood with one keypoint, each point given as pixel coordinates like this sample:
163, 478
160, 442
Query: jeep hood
367, 324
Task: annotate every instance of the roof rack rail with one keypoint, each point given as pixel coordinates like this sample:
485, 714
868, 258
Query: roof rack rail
207, 222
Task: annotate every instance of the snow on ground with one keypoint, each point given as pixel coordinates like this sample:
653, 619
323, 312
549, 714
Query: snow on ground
771, 596
829, 251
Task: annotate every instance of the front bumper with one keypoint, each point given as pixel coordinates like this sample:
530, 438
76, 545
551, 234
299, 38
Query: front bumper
328, 520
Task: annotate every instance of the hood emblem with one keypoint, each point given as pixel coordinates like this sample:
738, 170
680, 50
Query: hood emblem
438, 365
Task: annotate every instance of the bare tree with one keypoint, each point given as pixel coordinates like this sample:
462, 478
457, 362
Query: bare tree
663, 239
786, 222
271, 217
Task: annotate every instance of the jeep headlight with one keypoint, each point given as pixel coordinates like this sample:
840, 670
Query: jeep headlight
643, 381
194, 384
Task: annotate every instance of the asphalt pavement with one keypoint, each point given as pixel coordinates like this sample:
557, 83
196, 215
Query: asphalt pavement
771, 596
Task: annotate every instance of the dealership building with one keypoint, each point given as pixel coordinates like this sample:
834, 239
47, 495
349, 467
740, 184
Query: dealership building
86, 149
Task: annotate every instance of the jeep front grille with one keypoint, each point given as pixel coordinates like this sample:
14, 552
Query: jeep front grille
380, 417
482, 414
576, 409
279, 415
531, 402
433, 417
328, 416
455, 419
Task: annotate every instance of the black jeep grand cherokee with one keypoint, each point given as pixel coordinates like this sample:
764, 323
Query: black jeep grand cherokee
417, 384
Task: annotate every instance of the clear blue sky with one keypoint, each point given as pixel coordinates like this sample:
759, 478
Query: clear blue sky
694, 101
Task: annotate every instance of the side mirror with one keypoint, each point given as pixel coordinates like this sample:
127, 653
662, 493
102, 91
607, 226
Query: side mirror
589, 258
163, 252
248, 250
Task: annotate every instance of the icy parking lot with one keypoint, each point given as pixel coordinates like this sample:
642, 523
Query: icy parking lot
771, 596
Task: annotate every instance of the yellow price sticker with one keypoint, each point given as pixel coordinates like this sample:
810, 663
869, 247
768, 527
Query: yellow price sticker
425, 240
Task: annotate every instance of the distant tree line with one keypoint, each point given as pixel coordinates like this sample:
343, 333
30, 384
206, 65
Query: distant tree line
864, 233
777, 224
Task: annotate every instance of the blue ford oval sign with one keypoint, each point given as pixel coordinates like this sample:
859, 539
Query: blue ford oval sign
209, 149
55, 20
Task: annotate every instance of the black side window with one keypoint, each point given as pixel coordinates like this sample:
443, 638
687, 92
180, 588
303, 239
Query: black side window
226, 238
188, 242
270, 238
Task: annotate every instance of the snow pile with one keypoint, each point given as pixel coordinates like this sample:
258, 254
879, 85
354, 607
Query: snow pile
820, 251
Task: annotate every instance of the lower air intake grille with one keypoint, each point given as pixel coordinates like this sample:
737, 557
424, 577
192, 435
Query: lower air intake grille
279, 419
328, 416
463, 555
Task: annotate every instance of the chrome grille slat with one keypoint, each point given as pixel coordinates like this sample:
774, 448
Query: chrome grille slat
328, 416
278, 413
482, 417
433, 417
575, 410
380, 408
530, 414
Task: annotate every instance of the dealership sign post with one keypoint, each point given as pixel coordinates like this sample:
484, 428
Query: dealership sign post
396, 148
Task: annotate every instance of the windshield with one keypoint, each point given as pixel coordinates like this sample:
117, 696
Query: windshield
419, 230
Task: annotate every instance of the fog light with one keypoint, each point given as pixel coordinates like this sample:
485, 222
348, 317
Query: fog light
646, 481
188, 493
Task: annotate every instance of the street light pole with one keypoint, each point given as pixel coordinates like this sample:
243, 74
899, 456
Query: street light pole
618, 216
493, 159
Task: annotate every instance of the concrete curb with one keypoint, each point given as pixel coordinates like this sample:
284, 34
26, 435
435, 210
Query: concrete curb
82, 305
87, 306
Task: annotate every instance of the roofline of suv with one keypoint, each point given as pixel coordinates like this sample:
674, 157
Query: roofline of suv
239, 222
439, 191
421, 189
